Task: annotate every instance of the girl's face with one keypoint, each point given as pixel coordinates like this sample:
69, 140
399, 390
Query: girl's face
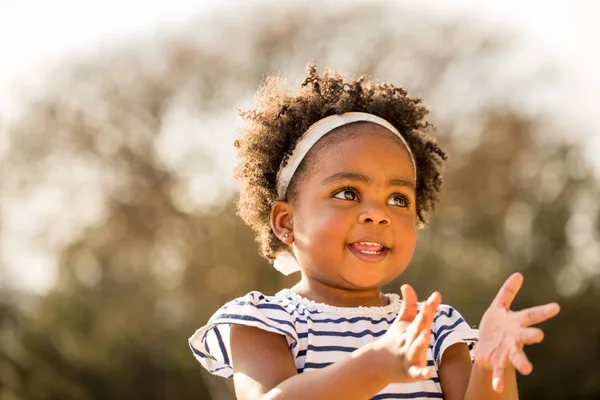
354, 213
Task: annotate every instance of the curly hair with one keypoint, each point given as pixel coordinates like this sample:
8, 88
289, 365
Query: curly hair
272, 130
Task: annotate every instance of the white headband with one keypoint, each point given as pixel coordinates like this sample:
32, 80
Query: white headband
286, 262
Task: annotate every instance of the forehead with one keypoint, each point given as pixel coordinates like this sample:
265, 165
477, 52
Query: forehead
361, 146
359, 139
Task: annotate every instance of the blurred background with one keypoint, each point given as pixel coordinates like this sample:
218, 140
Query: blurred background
118, 234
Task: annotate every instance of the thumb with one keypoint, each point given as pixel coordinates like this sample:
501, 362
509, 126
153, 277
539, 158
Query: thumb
498, 378
408, 309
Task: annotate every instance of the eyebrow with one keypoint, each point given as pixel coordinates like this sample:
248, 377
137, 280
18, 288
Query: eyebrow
353, 176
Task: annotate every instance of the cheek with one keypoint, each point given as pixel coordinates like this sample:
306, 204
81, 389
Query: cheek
327, 224
406, 231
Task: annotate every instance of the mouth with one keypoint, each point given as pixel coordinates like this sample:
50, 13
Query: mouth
370, 251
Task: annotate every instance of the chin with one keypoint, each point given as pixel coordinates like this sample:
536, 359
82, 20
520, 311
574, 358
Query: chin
370, 276
368, 281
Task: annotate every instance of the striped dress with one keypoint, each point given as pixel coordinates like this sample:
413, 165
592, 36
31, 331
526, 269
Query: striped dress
319, 335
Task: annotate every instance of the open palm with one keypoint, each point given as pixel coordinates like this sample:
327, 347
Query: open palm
503, 333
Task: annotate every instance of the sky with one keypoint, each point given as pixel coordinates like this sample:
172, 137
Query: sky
37, 35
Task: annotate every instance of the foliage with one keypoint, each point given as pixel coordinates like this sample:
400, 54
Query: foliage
155, 258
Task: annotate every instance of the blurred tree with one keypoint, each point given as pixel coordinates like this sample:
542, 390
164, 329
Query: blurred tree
508, 206
162, 251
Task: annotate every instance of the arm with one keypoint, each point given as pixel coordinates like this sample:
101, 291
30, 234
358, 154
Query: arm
462, 380
264, 368
502, 335
480, 386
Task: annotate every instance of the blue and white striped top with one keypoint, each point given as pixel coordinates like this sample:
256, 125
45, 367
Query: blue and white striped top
319, 335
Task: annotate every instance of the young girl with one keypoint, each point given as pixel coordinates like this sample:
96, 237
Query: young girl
335, 179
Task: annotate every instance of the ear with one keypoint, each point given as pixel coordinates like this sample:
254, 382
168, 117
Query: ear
281, 221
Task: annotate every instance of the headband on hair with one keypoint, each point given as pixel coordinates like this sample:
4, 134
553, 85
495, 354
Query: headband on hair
286, 262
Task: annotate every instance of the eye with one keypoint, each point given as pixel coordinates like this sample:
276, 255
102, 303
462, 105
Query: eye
399, 201
346, 194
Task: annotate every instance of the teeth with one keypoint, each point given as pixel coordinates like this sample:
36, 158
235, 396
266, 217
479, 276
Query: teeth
370, 252
370, 244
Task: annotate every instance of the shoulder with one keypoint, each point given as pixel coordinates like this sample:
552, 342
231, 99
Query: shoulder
449, 327
271, 313
281, 307
210, 344
447, 313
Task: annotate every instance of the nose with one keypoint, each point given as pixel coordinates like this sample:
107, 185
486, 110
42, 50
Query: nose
374, 215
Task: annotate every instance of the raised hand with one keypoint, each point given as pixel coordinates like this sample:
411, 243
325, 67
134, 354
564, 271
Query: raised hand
503, 333
405, 343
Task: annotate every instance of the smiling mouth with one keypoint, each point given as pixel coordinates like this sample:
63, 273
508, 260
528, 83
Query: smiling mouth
370, 248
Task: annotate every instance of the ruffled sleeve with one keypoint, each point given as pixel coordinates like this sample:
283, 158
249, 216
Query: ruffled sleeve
210, 344
449, 327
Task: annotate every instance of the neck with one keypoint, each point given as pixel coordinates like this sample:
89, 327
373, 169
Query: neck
322, 292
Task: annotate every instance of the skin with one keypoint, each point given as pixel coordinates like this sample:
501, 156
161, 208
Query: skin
348, 196
363, 187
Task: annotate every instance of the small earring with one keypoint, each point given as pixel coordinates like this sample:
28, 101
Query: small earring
287, 235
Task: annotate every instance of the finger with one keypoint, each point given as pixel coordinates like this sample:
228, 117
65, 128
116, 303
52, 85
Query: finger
429, 310
520, 361
418, 372
424, 318
531, 335
417, 352
535, 315
498, 378
408, 309
509, 290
